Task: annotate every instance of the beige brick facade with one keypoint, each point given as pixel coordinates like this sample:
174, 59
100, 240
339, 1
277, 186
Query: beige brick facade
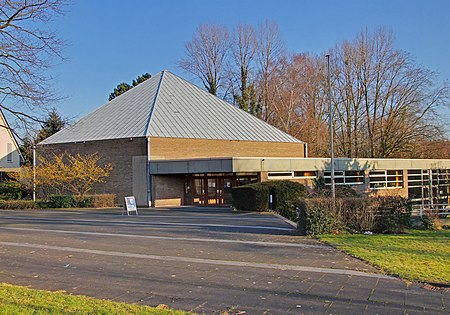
178, 148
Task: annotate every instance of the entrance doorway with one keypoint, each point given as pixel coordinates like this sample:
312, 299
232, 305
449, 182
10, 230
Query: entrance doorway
213, 189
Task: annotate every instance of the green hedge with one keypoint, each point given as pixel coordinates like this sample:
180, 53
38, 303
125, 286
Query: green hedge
319, 216
87, 201
62, 201
393, 214
376, 214
252, 197
20, 204
285, 197
11, 190
255, 197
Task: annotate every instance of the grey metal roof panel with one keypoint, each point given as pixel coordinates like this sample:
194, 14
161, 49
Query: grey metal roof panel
168, 106
125, 116
182, 110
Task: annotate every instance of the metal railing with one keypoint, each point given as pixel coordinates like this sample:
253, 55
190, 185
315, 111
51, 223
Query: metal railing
441, 210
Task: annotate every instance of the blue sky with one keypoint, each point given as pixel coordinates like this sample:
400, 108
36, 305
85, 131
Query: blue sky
111, 41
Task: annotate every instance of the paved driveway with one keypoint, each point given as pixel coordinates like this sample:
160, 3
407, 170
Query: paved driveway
208, 260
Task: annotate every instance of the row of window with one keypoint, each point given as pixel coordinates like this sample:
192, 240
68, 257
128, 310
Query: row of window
377, 178
429, 186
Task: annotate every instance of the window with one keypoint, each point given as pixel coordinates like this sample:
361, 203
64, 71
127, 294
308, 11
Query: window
304, 174
9, 157
425, 185
279, 175
381, 179
345, 177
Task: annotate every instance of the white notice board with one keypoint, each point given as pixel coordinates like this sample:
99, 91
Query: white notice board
129, 205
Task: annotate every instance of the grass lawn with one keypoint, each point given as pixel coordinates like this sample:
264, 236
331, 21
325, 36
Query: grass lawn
21, 300
416, 255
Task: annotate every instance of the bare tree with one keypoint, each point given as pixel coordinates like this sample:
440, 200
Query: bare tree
299, 104
270, 49
206, 54
26, 52
243, 51
384, 100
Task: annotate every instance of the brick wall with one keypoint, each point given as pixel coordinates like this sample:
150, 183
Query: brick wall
118, 152
168, 190
177, 148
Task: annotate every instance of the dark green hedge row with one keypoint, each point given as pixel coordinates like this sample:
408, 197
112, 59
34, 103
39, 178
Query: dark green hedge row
11, 190
22, 204
87, 201
256, 197
252, 197
376, 214
62, 201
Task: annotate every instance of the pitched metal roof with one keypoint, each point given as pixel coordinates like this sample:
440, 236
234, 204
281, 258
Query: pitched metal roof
168, 106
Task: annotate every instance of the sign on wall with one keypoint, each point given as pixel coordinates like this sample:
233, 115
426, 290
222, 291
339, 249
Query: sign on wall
129, 205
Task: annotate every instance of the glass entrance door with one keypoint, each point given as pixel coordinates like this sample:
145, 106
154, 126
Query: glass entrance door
212, 189
198, 193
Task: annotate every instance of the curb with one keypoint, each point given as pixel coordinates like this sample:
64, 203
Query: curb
286, 220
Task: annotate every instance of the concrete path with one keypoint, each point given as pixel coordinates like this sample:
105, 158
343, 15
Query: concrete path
207, 260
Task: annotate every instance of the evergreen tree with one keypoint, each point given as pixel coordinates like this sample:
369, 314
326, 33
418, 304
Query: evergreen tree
52, 125
120, 89
123, 87
141, 78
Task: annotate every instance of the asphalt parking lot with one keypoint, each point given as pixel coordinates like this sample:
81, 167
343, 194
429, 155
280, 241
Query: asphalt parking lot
205, 260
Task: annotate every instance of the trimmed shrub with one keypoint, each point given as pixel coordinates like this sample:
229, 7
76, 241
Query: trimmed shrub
19, 204
11, 190
83, 201
61, 201
87, 201
390, 214
252, 197
393, 214
285, 197
255, 197
103, 201
319, 216
359, 214
428, 222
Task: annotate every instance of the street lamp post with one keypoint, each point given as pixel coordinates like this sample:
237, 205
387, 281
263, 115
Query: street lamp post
333, 184
34, 172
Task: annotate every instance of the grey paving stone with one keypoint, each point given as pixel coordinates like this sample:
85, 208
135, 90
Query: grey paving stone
409, 311
380, 310
357, 294
431, 300
338, 308
362, 282
325, 292
397, 298
392, 284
